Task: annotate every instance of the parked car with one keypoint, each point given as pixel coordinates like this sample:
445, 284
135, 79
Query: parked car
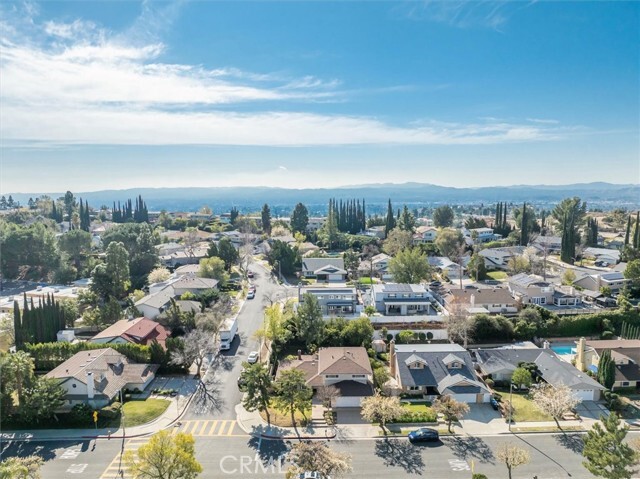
312, 475
253, 357
424, 434
251, 294
250, 274
241, 381
494, 404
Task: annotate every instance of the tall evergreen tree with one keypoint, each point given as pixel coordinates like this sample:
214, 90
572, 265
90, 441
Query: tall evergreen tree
524, 234
636, 234
266, 218
627, 236
17, 326
391, 221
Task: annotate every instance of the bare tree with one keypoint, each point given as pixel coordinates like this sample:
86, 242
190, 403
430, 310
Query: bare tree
197, 344
554, 400
190, 240
512, 456
381, 409
327, 394
450, 409
317, 457
459, 322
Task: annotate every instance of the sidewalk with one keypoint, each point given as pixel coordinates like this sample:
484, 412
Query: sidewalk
174, 411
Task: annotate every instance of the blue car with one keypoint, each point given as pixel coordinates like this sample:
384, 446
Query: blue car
424, 434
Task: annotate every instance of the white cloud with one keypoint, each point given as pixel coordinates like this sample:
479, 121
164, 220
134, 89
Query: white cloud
83, 85
282, 168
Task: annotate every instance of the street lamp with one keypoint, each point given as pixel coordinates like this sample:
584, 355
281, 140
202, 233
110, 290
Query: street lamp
510, 403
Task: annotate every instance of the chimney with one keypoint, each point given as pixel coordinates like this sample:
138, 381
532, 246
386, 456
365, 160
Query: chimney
580, 355
300, 354
392, 357
90, 392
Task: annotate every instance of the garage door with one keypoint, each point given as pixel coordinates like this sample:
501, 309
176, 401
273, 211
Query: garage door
584, 394
347, 401
468, 398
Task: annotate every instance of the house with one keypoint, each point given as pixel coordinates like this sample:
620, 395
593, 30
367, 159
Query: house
139, 331
324, 269
347, 369
550, 244
498, 258
624, 352
482, 235
179, 258
201, 216
485, 300
187, 269
169, 248
315, 223
605, 255
401, 299
500, 363
375, 232
161, 294
96, 377
615, 281
531, 289
425, 234
432, 370
444, 265
332, 301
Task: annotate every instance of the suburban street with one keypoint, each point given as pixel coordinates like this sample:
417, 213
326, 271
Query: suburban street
553, 456
219, 398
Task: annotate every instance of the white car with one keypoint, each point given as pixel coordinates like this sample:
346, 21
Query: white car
253, 357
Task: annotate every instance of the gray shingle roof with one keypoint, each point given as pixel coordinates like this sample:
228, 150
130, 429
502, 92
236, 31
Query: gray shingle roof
314, 264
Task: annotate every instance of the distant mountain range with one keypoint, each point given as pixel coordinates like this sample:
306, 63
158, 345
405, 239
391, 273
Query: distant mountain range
282, 200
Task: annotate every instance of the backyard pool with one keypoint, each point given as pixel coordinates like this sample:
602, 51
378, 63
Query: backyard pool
564, 348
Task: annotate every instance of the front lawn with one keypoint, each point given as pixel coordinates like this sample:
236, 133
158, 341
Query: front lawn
418, 412
366, 280
497, 275
142, 412
283, 419
524, 409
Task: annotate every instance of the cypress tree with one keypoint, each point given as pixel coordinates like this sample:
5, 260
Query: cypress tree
498, 217
636, 234
391, 221
524, 235
628, 233
504, 219
17, 325
363, 222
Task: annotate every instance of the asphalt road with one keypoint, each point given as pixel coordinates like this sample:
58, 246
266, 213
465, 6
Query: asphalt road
552, 457
221, 394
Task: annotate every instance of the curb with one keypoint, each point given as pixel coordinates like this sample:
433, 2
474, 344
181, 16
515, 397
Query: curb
301, 438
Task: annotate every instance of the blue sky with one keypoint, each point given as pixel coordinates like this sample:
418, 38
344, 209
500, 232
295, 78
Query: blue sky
102, 95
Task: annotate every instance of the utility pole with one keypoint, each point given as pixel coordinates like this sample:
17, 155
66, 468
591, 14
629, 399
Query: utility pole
510, 403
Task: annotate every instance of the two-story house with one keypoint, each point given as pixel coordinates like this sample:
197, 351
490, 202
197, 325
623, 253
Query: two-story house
625, 353
347, 369
96, 377
550, 244
425, 234
161, 294
332, 301
324, 269
482, 235
401, 299
481, 300
532, 289
432, 370
498, 258
615, 281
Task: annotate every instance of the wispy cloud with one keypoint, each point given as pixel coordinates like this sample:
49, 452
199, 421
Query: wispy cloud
544, 121
464, 13
77, 83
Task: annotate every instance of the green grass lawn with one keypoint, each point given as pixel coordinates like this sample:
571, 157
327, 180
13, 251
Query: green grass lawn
283, 418
366, 280
497, 275
142, 412
524, 409
421, 406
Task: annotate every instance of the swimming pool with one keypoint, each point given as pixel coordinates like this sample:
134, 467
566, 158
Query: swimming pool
564, 348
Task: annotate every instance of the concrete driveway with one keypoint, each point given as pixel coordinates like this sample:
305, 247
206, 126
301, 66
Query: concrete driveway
591, 410
482, 419
349, 415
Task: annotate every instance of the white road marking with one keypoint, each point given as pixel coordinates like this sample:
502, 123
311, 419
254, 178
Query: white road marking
77, 468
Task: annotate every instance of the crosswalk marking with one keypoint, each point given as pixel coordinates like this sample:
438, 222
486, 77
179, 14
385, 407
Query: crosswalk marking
209, 428
112, 470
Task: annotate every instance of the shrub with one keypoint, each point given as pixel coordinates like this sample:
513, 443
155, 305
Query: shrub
478, 476
383, 357
422, 336
418, 416
607, 335
389, 337
490, 382
81, 414
110, 412
371, 352
429, 335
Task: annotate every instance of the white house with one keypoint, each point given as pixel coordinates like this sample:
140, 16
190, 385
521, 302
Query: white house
425, 234
401, 299
96, 377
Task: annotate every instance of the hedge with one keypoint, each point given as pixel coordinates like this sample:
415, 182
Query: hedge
591, 324
47, 356
418, 416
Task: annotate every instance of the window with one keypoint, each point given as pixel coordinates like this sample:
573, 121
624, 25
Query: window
320, 297
414, 388
625, 383
358, 376
331, 376
75, 385
392, 295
